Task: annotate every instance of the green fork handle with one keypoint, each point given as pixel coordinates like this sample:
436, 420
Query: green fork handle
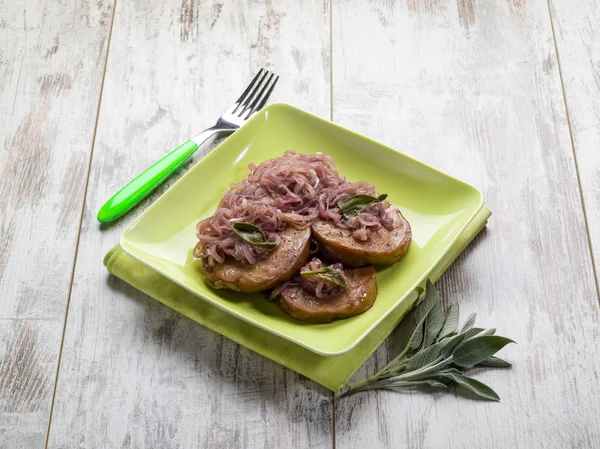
142, 185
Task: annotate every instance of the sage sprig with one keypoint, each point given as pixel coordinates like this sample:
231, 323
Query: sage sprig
436, 353
329, 274
357, 203
252, 234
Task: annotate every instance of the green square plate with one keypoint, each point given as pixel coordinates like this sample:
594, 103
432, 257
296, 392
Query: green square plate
437, 206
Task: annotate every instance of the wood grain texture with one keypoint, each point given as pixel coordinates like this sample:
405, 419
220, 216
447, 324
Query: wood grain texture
577, 32
51, 65
473, 88
133, 372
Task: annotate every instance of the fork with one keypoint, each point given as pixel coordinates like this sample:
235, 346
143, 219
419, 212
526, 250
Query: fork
252, 100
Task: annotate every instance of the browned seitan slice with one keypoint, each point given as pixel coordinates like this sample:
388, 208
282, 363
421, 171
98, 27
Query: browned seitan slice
279, 266
383, 246
358, 297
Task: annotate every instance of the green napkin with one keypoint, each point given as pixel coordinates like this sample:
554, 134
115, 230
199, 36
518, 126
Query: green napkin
332, 372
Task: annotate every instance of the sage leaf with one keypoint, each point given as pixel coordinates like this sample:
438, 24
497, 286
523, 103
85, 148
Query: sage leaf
413, 323
434, 321
434, 383
449, 343
423, 357
450, 323
329, 274
417, 339
471, 352
469, 323
472, 332
252, 234
450, 370
357, 203
478, 332
442, 379
417, 383
442, 362
479, 388
495, 362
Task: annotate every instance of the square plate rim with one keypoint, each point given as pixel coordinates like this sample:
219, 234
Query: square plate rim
265, 327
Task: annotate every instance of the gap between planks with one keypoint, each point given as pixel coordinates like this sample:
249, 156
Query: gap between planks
85, 191
333, 404
331, 66
585, 214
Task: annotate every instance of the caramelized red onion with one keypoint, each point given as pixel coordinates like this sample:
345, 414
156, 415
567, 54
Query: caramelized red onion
294, 190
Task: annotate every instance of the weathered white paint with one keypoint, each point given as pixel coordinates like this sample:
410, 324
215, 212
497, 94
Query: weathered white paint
577, 33
474, 89
134, 373
52, 57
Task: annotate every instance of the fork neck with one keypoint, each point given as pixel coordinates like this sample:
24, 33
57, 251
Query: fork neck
204, 135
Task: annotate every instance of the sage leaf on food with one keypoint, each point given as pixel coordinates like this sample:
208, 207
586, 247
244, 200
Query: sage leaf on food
357, 203
475, 350
329, 274
252, 234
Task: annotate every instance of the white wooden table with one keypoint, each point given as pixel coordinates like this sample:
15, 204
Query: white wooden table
504, 94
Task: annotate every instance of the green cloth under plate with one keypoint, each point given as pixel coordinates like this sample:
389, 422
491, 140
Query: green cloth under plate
332, 372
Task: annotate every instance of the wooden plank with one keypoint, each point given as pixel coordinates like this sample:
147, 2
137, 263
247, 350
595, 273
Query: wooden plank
52, 57
134, 373
577, 31
473, 88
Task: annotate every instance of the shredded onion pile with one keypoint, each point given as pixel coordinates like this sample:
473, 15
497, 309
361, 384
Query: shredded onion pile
294, 190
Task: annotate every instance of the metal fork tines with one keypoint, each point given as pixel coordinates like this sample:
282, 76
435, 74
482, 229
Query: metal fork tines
251, 101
